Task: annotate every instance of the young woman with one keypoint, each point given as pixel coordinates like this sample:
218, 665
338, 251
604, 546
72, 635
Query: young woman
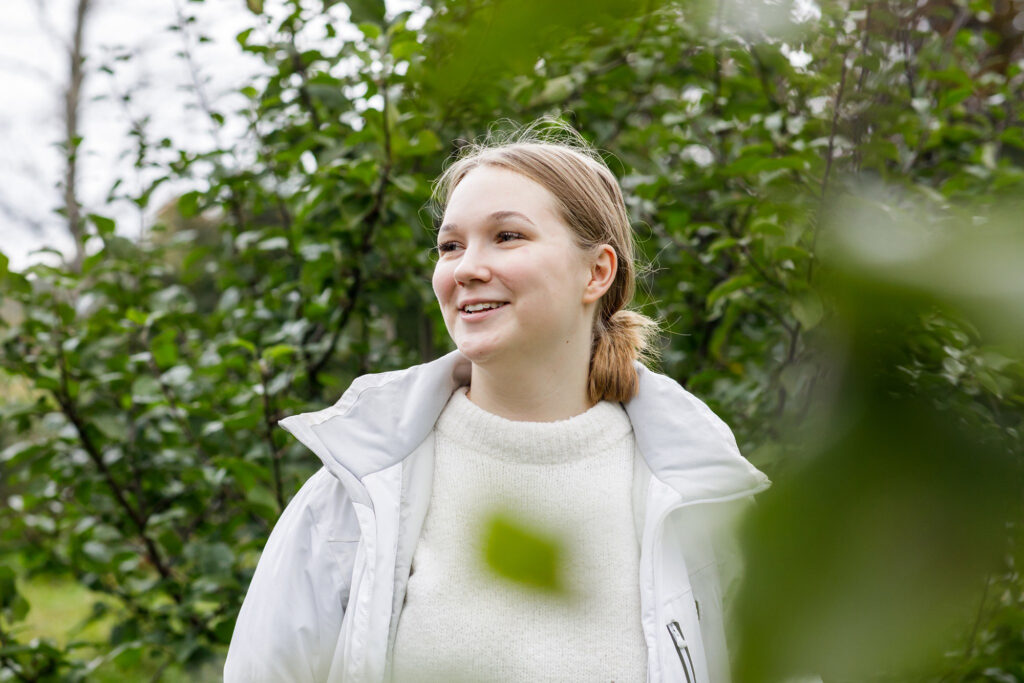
375, 571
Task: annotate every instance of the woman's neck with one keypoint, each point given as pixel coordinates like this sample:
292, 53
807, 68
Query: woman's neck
533, 392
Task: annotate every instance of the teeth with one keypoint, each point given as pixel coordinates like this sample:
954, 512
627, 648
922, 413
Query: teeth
473, 308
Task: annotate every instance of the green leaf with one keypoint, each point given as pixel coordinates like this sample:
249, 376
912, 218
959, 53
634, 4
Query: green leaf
146, 390
727, 287
136, 316
243, 37
21, 450
210, 558
278, 351
243, 343
177, 376
363, 11
405, 183
721, 334
113, 426
243, 419
555, 90
991, 383
104, 226
789, 252
524, 555
723, 243
950, 98
370, 30
188, 204
165, 348
808, 309
1013, 136
274, 243
171, 541
212, 427
12, 605
96, 551
262, 497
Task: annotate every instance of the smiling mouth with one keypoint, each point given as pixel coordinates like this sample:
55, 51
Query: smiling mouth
478, 308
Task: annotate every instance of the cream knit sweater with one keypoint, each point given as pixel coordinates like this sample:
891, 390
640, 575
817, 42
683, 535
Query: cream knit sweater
570, 479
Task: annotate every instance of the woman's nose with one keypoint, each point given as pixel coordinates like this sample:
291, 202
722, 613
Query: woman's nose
472, 265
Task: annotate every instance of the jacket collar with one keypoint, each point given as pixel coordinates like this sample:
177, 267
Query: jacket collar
383, 417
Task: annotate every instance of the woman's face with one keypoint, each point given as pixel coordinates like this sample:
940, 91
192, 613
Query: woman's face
502, 243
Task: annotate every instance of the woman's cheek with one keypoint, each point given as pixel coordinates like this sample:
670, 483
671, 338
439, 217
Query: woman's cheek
443, 284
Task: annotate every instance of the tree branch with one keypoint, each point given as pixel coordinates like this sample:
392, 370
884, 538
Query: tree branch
70, 410
830, 154
300, 68
269, 422
72, 99
864, 46
193, 70
371, 220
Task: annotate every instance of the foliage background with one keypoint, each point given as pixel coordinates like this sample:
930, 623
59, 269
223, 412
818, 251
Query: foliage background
144, 381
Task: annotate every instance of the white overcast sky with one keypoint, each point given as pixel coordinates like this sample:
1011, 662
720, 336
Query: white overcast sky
33, 69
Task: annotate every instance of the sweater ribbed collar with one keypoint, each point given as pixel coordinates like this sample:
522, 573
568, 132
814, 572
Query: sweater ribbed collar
538, 443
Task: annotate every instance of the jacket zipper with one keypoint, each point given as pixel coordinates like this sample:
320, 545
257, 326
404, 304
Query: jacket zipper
683, 651
656, 561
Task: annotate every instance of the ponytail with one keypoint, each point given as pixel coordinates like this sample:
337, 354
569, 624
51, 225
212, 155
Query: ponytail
619, 340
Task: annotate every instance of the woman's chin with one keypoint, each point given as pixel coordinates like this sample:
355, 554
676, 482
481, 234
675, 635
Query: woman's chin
480, 353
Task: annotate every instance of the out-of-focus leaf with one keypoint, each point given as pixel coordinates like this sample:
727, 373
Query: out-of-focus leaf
876, 550
13, 606
883, 543
729, 286
104, 226
979, 270
808, 309
517, 552
366, 11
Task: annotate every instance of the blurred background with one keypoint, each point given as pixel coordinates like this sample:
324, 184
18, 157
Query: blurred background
214, 214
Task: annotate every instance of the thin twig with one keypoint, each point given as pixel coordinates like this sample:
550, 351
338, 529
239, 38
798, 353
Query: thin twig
193, 71
371, 220
71, 412
830, 153
269, 422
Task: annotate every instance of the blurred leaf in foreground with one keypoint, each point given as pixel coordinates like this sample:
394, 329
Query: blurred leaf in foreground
874, 555
521, 554
497, 37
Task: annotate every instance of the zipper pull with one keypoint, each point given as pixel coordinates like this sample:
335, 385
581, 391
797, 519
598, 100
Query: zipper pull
683, 650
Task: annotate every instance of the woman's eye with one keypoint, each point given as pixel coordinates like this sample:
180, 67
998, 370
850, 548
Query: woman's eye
507, 236
445, 247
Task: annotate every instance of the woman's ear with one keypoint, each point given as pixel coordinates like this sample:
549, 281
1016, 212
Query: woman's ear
603, 267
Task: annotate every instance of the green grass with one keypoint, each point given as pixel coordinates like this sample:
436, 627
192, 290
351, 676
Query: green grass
58, 610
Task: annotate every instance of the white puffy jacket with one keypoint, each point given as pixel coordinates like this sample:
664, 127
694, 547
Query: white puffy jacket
324, 602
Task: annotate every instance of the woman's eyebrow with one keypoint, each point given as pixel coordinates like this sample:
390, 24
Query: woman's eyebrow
496, 217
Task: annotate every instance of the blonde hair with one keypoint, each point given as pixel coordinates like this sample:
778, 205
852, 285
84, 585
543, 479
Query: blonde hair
590, 202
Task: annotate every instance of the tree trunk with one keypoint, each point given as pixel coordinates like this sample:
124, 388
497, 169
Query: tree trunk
72, 99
